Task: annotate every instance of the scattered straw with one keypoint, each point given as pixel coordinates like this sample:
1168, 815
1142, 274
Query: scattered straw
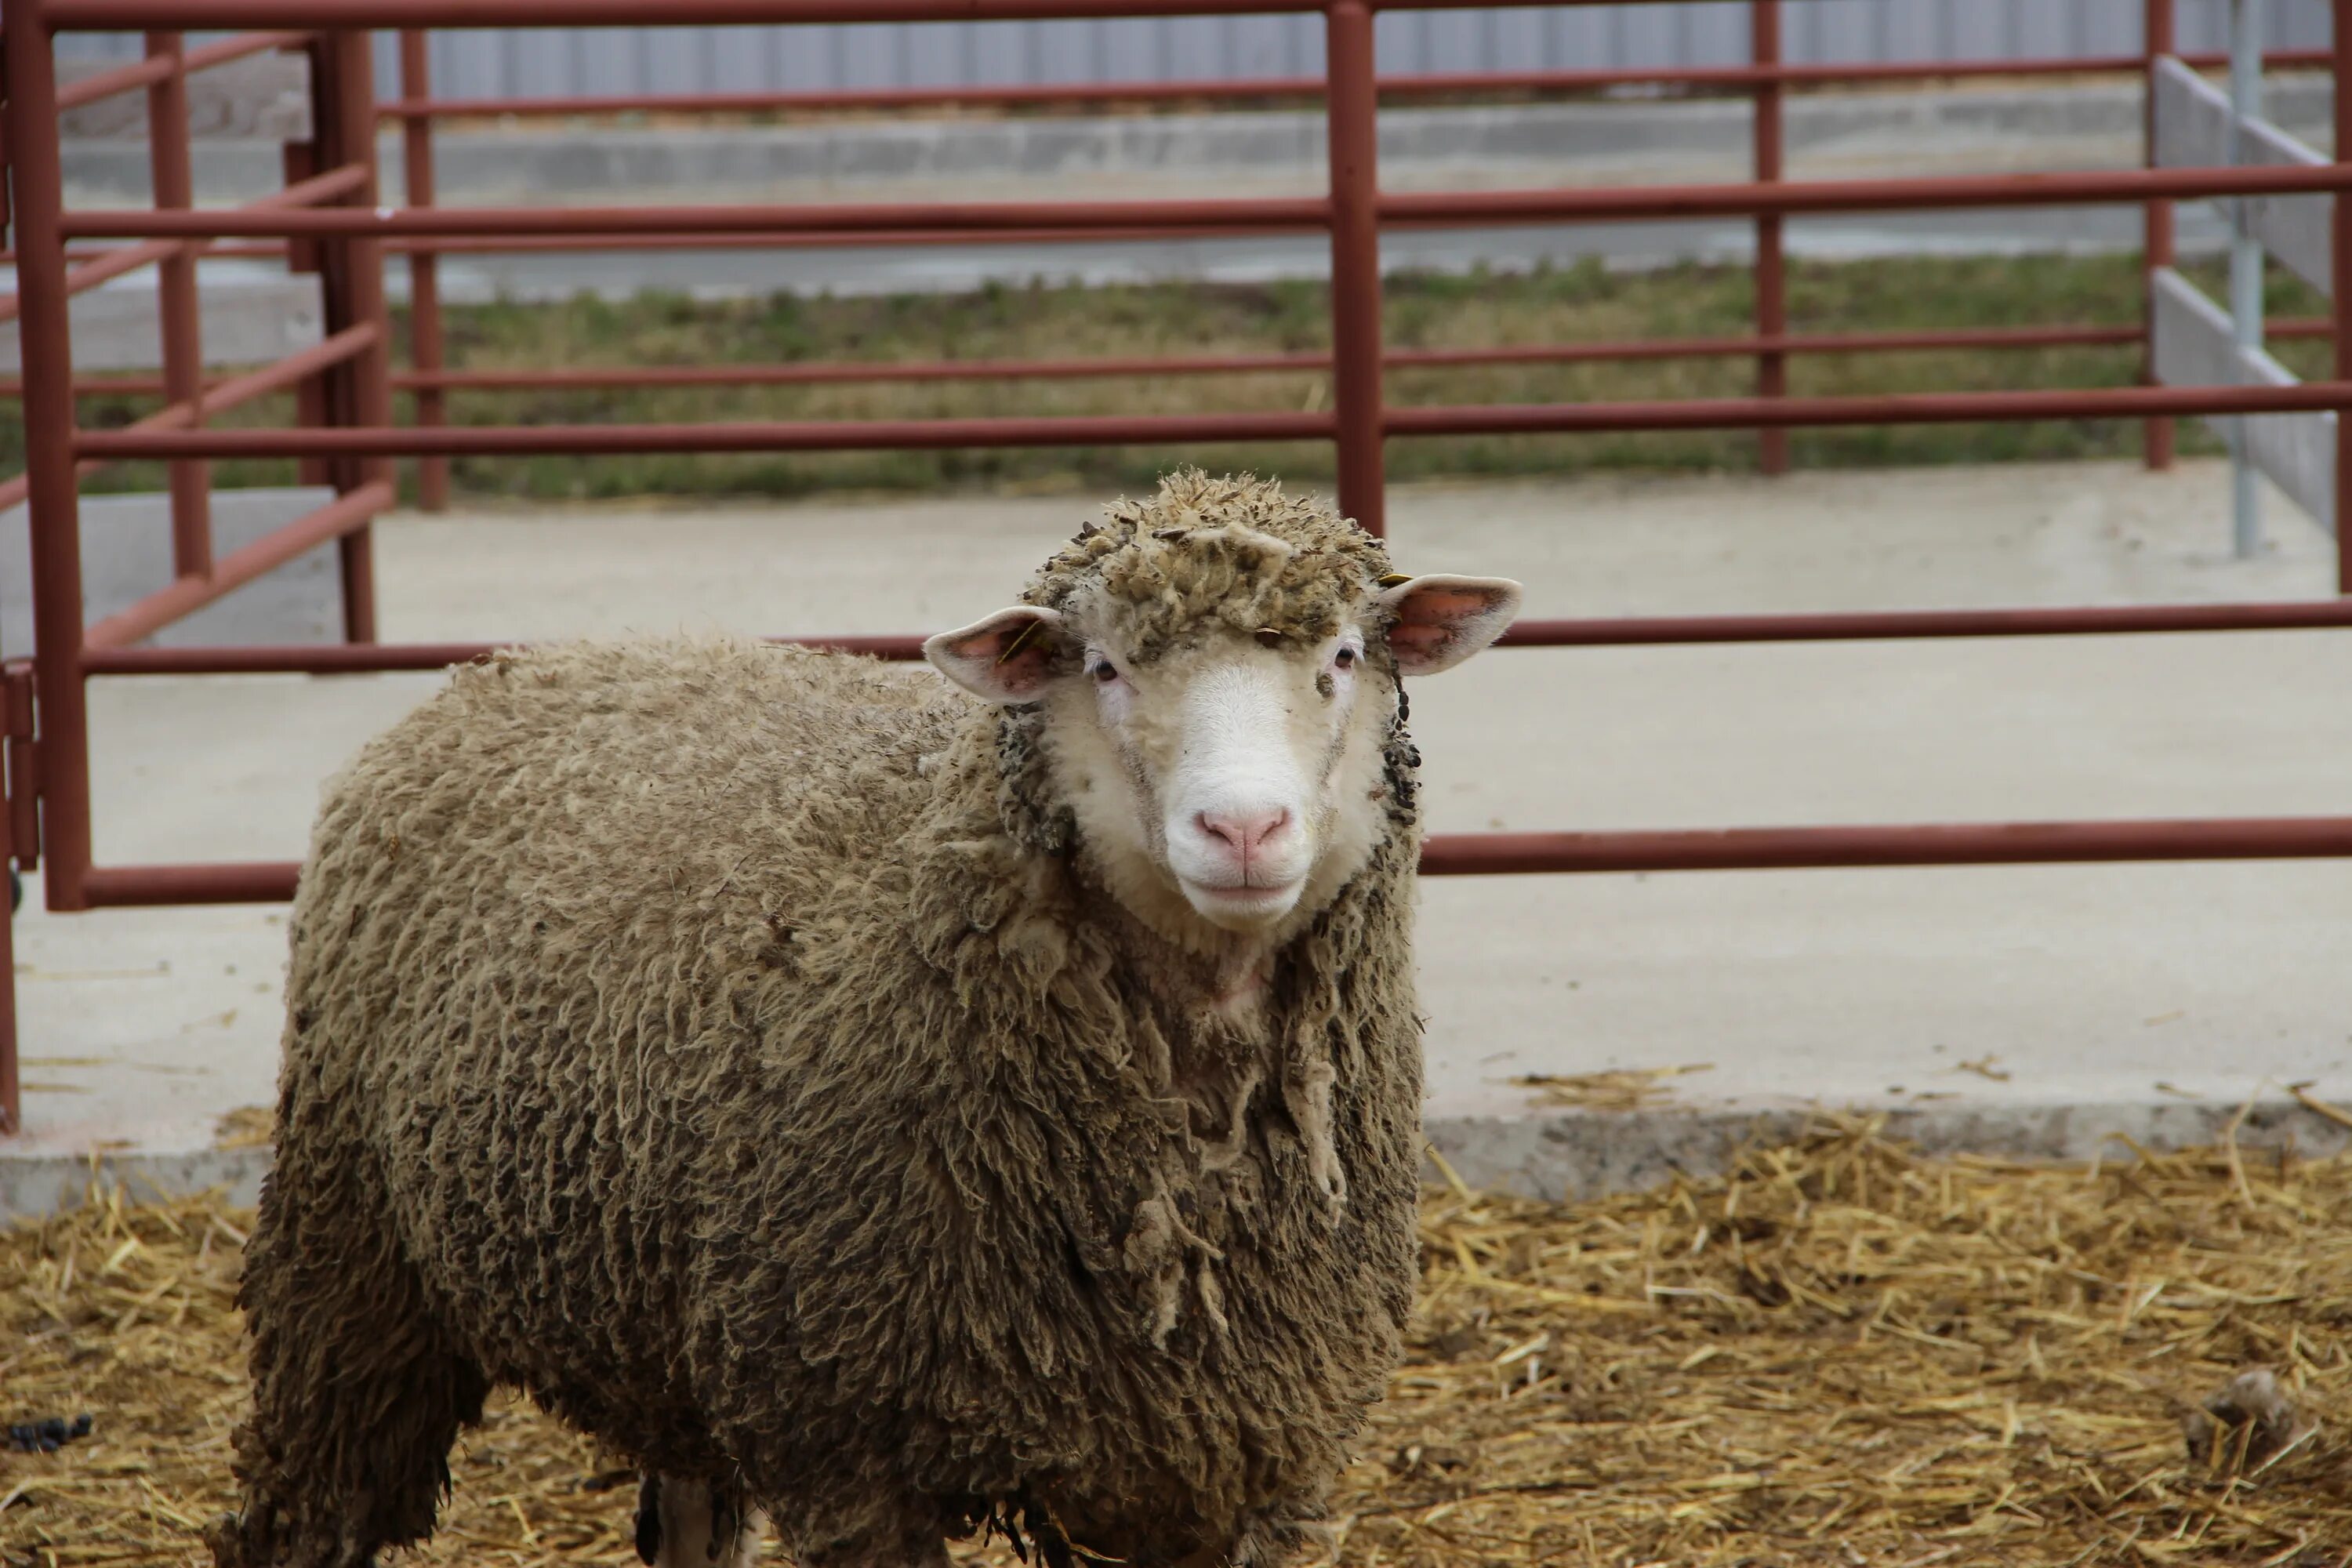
1839, 1354
2312, 1102
1619, 1089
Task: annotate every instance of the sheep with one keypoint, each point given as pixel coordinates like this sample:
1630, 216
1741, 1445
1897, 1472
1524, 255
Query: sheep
901, 1115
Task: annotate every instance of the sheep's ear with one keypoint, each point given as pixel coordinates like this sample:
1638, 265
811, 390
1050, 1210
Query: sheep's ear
1437, 622
1011, 657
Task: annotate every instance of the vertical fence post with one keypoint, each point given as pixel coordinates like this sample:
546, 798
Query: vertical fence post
424, 266
360, 391
12, 1103
2155, 234
2341, 276
175, 298
302, 160
1771, 277
1351, 105
2245, 271
53, 505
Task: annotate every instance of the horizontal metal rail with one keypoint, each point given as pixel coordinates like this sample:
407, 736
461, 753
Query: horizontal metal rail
1941, 844
1878, 626
833, 239
344, 514
535, 244
1093, 430
280, 376
368, 658
1240, 214
822, 372
139, 887
742, 436
123, 15
332, 185
1623, 631
1630, 204
1636, 204
793, 372
1419, 84
157, 67
1505, 854
1894, 408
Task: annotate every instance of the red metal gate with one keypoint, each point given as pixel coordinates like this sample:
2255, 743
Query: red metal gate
330, 219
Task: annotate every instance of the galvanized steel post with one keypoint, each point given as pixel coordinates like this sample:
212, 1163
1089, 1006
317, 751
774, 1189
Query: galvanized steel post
1771, 277
2155, 230
424, 263
53, 505
175, 299
1351, 109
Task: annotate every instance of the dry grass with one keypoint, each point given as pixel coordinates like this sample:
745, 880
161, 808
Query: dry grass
1838, 1354
1587, 302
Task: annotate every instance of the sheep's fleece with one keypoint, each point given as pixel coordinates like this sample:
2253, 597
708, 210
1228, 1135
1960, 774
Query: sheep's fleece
720, 1043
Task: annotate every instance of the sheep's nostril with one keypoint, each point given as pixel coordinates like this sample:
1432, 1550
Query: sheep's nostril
1245, 831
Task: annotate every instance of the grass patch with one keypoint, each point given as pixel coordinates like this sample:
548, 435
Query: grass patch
1586, 303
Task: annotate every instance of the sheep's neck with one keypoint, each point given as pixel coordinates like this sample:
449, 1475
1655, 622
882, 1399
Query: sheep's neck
1226, 985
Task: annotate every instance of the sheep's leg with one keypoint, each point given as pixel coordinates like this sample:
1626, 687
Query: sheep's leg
358, 1391
687, 1524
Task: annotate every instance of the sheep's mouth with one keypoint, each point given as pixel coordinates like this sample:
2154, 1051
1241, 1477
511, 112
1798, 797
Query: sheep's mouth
1245, 904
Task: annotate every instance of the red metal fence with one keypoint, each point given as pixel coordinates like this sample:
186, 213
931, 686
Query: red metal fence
330, 219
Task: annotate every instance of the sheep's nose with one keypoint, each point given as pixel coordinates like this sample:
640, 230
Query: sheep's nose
1244, 832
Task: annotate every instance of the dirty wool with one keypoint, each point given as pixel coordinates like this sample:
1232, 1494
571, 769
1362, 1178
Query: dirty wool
738, 1049
1837, 1354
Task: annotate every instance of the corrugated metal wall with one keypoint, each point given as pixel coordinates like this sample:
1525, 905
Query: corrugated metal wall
666, 61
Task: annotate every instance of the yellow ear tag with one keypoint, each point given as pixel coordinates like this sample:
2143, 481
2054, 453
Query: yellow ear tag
1394, 578
1014, 646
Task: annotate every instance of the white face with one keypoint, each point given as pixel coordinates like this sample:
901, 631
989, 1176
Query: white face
1235, 784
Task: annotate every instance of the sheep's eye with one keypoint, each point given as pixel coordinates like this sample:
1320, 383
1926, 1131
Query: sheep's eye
1105, 671
1345, 658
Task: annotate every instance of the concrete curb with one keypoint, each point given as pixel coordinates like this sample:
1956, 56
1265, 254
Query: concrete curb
1563, 1154
1569, 1154
33, 1186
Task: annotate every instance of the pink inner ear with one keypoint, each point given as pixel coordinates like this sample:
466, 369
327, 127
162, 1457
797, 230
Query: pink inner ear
1439, 607
1018, 662
1428, 620
1412, 639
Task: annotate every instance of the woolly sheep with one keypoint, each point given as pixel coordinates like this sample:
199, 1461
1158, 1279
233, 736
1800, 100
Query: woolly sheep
901, 1115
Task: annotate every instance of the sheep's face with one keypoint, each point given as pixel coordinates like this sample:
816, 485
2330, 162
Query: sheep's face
1222, 775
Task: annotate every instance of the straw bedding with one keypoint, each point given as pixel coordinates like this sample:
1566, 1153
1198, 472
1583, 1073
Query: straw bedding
1838, 1353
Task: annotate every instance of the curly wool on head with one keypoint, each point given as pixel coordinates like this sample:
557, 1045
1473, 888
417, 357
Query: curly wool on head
1240, 551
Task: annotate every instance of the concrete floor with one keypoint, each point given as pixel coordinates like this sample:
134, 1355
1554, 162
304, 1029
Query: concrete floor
2036, 1009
